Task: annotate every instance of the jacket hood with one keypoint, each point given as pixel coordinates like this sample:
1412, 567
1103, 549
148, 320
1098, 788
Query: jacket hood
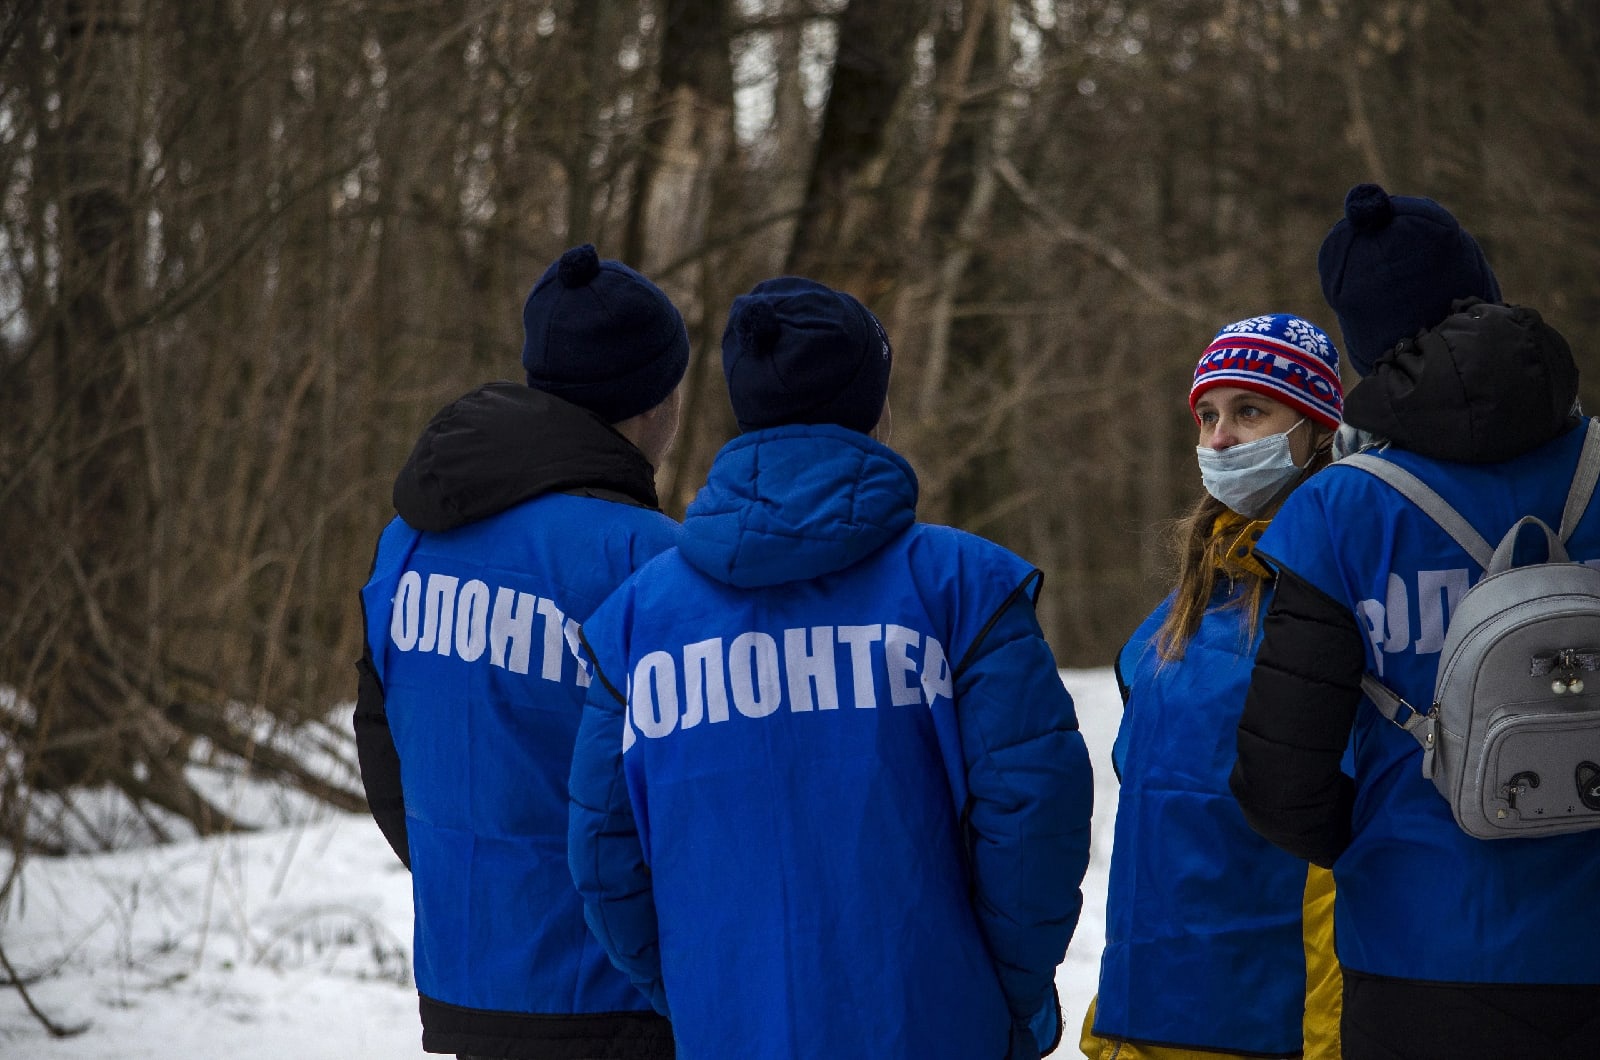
505, 443
1489, 383
796, 502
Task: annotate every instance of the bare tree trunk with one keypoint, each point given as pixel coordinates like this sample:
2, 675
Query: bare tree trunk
98, 509
686, 148
974, 217
842, 237
687, 142
582, 103
791, 135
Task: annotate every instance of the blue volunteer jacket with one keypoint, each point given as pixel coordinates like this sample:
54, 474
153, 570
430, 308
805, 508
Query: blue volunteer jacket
1472, 911
829, 798
471, 689
1204, 946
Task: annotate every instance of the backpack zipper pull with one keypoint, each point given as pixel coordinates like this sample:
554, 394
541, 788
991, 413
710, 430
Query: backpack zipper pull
1565, 664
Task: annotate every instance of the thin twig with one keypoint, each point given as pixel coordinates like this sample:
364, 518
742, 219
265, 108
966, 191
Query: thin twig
1099, 248
15, 982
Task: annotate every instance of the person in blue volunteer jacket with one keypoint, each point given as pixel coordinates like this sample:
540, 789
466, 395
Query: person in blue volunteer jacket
1452, 947
1211, 930
829, 798
520, 509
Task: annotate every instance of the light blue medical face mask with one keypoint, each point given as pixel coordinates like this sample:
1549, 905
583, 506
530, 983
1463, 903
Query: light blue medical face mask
1249, 476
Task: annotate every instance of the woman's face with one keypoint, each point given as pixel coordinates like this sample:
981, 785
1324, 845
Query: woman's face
1230, 415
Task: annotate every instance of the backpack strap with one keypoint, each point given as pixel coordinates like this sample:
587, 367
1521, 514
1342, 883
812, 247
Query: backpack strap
1583, 481
1503, 552
1434, 506
1389, 704
1424, 728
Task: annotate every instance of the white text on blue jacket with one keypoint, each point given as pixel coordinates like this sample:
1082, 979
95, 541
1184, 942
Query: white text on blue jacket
751, 676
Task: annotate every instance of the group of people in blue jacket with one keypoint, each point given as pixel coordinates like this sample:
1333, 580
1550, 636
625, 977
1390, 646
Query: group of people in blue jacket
798, 778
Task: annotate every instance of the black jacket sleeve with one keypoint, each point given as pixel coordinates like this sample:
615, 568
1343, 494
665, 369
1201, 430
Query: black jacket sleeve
1297, 717
379, 761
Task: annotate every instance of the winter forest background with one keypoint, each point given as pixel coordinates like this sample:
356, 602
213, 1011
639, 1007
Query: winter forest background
247, 248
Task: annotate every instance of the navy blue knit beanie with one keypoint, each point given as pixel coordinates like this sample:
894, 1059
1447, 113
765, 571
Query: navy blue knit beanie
1392, 266
796, 351
603, 337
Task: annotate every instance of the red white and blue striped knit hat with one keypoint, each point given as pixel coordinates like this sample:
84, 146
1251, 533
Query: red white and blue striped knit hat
1281, 356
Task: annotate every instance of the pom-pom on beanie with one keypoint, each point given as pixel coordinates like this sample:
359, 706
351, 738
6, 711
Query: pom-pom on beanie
1392, 266
796, 351
598, 334
1280, 356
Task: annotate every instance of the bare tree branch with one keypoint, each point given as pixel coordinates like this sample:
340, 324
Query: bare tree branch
13, 980
1097, 247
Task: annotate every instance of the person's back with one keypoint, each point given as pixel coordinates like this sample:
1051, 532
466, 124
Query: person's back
1451, 945
520, 509
847, 759
1483, 924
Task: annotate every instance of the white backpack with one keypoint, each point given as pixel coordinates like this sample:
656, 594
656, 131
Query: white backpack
1512, 738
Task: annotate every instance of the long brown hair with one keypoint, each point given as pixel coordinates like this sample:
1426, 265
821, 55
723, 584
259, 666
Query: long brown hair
1199, 552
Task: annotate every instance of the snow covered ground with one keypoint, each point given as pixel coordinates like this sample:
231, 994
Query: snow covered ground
295, 941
